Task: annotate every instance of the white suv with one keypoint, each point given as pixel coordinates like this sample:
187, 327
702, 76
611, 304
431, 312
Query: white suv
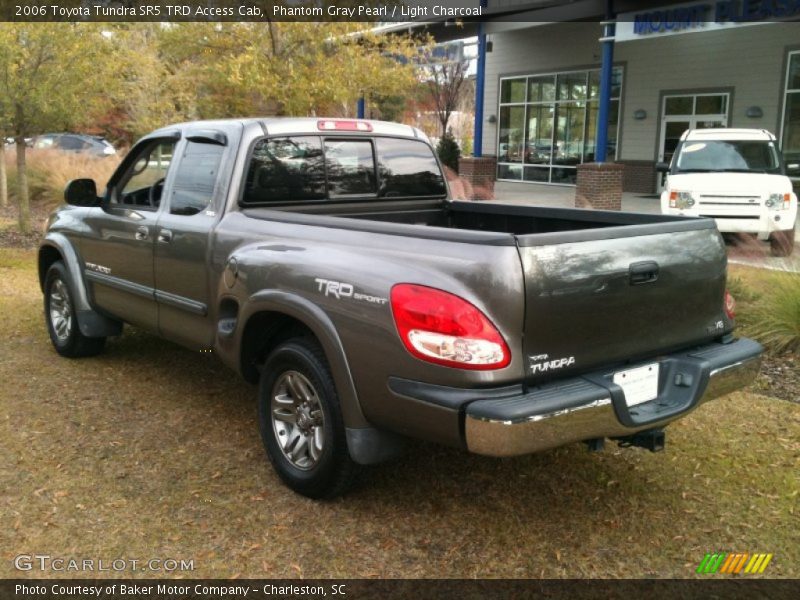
736, 176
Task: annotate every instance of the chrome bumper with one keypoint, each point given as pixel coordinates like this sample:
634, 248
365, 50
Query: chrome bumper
593, 407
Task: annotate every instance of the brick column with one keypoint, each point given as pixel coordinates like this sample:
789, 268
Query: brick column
640, 176
599, 186
478, 175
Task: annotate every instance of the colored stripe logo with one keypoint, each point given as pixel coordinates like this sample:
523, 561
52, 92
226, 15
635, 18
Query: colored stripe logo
733, 563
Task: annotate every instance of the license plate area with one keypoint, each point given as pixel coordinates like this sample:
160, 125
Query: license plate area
639, 385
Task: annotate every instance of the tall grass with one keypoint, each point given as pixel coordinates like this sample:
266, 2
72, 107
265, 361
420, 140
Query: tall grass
50, 170
775, 316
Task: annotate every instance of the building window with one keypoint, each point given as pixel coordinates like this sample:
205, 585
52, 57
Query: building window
548, 124
790, 133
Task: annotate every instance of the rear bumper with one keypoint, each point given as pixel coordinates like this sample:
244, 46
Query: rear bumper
717, 370
511, 422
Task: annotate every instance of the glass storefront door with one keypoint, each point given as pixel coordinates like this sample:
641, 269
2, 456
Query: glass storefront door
692, 111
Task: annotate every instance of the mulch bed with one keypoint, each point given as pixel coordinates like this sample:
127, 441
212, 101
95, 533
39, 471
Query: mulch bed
10, 237
780, 377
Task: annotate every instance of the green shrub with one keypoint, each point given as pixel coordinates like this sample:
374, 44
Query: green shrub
775, 318
448, 151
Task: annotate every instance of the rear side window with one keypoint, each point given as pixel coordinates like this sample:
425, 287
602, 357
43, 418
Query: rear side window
70, 142
408, 168
307, 168
351, 168
286, 169
195, 178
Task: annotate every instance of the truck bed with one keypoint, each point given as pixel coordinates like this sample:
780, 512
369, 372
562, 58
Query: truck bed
520, 225
600, 286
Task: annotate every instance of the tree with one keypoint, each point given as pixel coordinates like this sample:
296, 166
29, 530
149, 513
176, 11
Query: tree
3, 174
52, 76
135, 77
448, 150
153, 91
286, 68
4, 129
445, 82
390, 108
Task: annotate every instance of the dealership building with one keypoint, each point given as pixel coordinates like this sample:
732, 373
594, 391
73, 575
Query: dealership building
669, 68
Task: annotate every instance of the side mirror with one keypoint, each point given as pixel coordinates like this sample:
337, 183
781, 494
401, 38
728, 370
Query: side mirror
81, 192
793, 169
662, 167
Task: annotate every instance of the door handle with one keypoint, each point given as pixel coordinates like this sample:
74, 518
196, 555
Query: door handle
142, 233
643, 272
165, 236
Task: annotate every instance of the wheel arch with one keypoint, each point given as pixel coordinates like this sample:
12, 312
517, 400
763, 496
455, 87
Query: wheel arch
273, 316
55, 247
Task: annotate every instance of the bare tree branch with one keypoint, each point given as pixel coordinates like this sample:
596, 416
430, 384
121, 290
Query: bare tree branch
445, 83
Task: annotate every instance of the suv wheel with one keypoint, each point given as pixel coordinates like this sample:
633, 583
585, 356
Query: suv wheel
301, 421
62, 321
781, 243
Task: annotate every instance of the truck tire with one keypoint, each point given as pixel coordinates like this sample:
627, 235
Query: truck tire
61, 319
781, 243
301, 421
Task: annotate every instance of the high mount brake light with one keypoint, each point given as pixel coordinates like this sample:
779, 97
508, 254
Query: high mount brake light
442, 328
343, 125
730, 305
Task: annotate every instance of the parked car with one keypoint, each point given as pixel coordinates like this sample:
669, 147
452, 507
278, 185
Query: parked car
737, 177
324, 260
10, 141
73, 142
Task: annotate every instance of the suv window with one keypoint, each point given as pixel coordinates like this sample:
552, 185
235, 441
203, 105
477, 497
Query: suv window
144, 181
408, 168
282, 169
195, 178
350, 167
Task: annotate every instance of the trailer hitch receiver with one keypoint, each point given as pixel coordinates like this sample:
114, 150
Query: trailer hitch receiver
651, 439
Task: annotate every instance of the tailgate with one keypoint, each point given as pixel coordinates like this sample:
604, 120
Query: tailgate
614, 299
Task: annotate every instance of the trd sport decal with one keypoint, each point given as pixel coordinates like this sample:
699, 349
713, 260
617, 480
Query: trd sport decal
339, 290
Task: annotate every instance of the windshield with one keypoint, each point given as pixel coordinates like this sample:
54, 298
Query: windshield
737, 156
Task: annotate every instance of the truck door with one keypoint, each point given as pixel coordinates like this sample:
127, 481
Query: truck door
193, 203
117, 247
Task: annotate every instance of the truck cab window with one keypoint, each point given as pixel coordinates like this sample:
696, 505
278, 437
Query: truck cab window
285, 169
145, 180
195, 178
408, 168
351, 168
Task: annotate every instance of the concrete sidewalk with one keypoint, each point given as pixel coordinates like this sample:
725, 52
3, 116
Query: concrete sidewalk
752, 253
533, 194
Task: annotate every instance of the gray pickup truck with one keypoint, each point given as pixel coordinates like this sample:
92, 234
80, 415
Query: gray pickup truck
324, 260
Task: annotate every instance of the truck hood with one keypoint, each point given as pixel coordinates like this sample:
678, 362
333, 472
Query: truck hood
757, 184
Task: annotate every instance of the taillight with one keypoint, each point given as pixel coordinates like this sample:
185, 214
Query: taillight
730, 305
442, 328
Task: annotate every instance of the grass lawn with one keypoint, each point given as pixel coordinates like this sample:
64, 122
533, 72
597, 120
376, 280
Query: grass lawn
152, 451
